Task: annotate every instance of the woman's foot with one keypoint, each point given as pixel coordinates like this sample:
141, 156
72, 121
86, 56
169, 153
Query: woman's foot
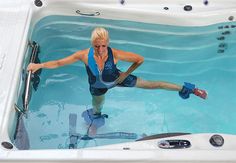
200, 93
97, 114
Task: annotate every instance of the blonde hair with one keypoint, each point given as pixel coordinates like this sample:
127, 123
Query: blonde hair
100, 33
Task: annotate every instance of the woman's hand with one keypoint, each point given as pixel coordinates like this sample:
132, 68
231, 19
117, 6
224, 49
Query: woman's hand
34, 67
122, 77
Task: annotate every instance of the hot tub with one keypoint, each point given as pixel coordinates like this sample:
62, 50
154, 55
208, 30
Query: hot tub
18, 23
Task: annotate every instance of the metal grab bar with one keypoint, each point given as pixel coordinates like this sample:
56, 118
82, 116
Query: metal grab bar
34, 52
18, 109
87, 14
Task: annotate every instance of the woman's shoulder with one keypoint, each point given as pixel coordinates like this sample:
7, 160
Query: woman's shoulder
114, 51
83, 55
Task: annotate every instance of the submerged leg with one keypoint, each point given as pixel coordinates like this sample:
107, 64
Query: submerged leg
97, 102
92, 130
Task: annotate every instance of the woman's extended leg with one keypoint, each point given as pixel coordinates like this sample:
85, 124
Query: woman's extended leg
157, 85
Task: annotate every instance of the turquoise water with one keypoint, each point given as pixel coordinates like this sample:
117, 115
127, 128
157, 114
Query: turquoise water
205, 56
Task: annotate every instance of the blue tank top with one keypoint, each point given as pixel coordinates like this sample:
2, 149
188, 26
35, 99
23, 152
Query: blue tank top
105, 78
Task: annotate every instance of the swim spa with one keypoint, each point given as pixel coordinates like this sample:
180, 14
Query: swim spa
196, 46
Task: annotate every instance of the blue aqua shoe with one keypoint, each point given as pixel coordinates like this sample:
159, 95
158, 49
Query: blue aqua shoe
187, 89
96, 120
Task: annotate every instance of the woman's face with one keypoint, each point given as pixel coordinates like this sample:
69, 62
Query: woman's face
100, 46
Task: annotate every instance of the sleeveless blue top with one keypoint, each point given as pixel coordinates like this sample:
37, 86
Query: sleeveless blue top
105, 78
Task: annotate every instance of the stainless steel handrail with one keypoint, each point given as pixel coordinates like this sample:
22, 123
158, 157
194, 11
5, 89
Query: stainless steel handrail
34, 52
17, 108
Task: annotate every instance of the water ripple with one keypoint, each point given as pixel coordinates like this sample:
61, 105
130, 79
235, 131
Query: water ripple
93, 25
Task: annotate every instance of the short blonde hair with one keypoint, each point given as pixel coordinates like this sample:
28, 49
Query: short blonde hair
99, 33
